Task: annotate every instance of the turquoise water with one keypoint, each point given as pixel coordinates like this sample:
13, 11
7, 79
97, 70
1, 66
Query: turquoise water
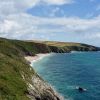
67, 71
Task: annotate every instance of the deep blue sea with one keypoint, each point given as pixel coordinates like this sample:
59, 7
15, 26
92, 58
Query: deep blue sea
67, 71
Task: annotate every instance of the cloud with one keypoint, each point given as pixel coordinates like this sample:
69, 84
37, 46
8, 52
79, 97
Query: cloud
57, 2
92, 35
21, 25
54, 12
18, 6
57, 11
16, 23
15, 6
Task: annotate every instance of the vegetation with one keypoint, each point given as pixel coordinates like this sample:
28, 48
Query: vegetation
13, 64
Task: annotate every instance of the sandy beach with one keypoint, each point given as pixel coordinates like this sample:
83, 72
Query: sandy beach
33, 59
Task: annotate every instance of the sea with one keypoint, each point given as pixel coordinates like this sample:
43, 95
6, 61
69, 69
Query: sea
68, 71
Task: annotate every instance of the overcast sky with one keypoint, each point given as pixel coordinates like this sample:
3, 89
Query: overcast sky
57, 20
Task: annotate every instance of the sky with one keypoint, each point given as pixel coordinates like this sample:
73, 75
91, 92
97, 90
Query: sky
53, 20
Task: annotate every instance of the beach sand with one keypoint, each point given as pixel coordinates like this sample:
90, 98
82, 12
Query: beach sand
32, 59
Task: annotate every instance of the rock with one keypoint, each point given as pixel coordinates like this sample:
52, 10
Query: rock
41, 90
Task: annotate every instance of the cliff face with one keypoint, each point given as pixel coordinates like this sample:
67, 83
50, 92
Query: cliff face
18, 81
40, 90
63, 47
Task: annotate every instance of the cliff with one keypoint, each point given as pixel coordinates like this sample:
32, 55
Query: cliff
18, 81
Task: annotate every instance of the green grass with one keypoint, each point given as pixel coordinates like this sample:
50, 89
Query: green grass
12, 64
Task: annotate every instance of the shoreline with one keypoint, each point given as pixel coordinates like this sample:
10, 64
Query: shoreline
37, 57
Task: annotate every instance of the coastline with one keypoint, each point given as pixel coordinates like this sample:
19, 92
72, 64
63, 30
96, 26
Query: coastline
37, 57
42, 85
21, 78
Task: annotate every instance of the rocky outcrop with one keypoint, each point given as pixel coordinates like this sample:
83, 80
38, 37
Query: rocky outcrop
67, 49
41, 90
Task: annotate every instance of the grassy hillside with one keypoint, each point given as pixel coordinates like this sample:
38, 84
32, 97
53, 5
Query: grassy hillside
13, 64
70, 46
63, 47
